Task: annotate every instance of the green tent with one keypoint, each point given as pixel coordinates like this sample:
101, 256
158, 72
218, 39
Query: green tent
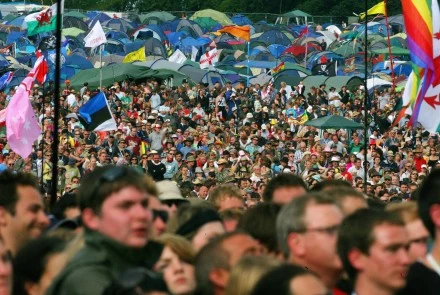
206, 23
394, 51
334, 122
156, 17
120, 72
74, 32
76, 14
218, 16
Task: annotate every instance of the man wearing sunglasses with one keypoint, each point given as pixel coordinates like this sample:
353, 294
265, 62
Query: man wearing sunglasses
117, 219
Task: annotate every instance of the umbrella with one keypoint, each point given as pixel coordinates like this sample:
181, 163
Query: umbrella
334, 122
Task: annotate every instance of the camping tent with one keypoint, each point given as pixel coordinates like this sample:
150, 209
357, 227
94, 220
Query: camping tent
299, 16
218, 16
334, 122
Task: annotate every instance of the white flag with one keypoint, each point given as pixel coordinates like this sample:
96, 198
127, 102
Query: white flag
177, 57
95, 37
209, 58
194, 52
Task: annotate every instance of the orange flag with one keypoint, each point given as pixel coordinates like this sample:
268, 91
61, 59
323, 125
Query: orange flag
242, 32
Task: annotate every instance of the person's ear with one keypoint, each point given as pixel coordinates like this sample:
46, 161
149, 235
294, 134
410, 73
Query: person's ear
295, 242
90, 219
219, 277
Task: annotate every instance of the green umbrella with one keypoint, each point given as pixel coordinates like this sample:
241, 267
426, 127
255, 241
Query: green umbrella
334, 122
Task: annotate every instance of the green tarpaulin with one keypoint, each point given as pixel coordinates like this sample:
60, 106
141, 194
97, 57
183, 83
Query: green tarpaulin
122, 72
394, 51
334, 122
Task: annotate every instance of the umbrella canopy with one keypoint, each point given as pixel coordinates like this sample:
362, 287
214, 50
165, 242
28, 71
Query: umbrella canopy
334, 122
218, 16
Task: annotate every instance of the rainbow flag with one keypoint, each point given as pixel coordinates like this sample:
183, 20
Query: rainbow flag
421, 95
278, 68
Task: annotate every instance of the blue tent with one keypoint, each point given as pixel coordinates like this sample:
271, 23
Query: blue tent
240, 20
274, 37
102, 17
18, 21
176, 37
316, 56
118, 24
14, 36
276, 50
4, 63
121, 36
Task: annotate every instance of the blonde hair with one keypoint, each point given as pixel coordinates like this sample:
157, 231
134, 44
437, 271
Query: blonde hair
408, 211
247, 272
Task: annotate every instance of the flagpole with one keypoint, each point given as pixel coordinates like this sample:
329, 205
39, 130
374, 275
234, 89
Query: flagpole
249, 53
53, 196
307, 35
365, 100
100, 67
389, 46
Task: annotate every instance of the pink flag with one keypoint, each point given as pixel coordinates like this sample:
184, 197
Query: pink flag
22, 127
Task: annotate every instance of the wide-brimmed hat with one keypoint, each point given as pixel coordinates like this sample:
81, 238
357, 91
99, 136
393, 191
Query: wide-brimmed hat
168, 190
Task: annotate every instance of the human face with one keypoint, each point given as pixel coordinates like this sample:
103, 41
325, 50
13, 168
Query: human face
178, 275
307, 284
387, 262
318, 240
206, 233
284, 195
239, 245
203, 192
5, 271
418, 239
28, 222
124, 217
231, 203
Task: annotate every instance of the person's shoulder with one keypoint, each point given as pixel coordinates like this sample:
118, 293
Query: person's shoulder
89, 279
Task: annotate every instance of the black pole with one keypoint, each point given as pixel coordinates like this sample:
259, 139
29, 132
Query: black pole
366, 98
42, 140
53, 197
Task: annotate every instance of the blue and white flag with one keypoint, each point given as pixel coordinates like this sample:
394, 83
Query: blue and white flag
95, 115
6, 79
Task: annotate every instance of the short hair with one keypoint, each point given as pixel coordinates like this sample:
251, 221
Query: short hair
357, 232
408, 211
68, 200
247, 272
222, 192
189, 218
97, 186
282, 180
260, 223
341, 193
427, 195
277, 281
210, 257
291, 217
37, 252
179, 245
9, 182
330, 184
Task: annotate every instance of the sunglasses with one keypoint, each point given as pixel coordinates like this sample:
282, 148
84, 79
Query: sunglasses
162, 214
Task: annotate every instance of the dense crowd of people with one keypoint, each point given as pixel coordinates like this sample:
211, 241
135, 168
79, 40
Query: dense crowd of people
222, 190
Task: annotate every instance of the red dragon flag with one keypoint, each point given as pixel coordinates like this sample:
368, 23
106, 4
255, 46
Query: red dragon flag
43, 21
